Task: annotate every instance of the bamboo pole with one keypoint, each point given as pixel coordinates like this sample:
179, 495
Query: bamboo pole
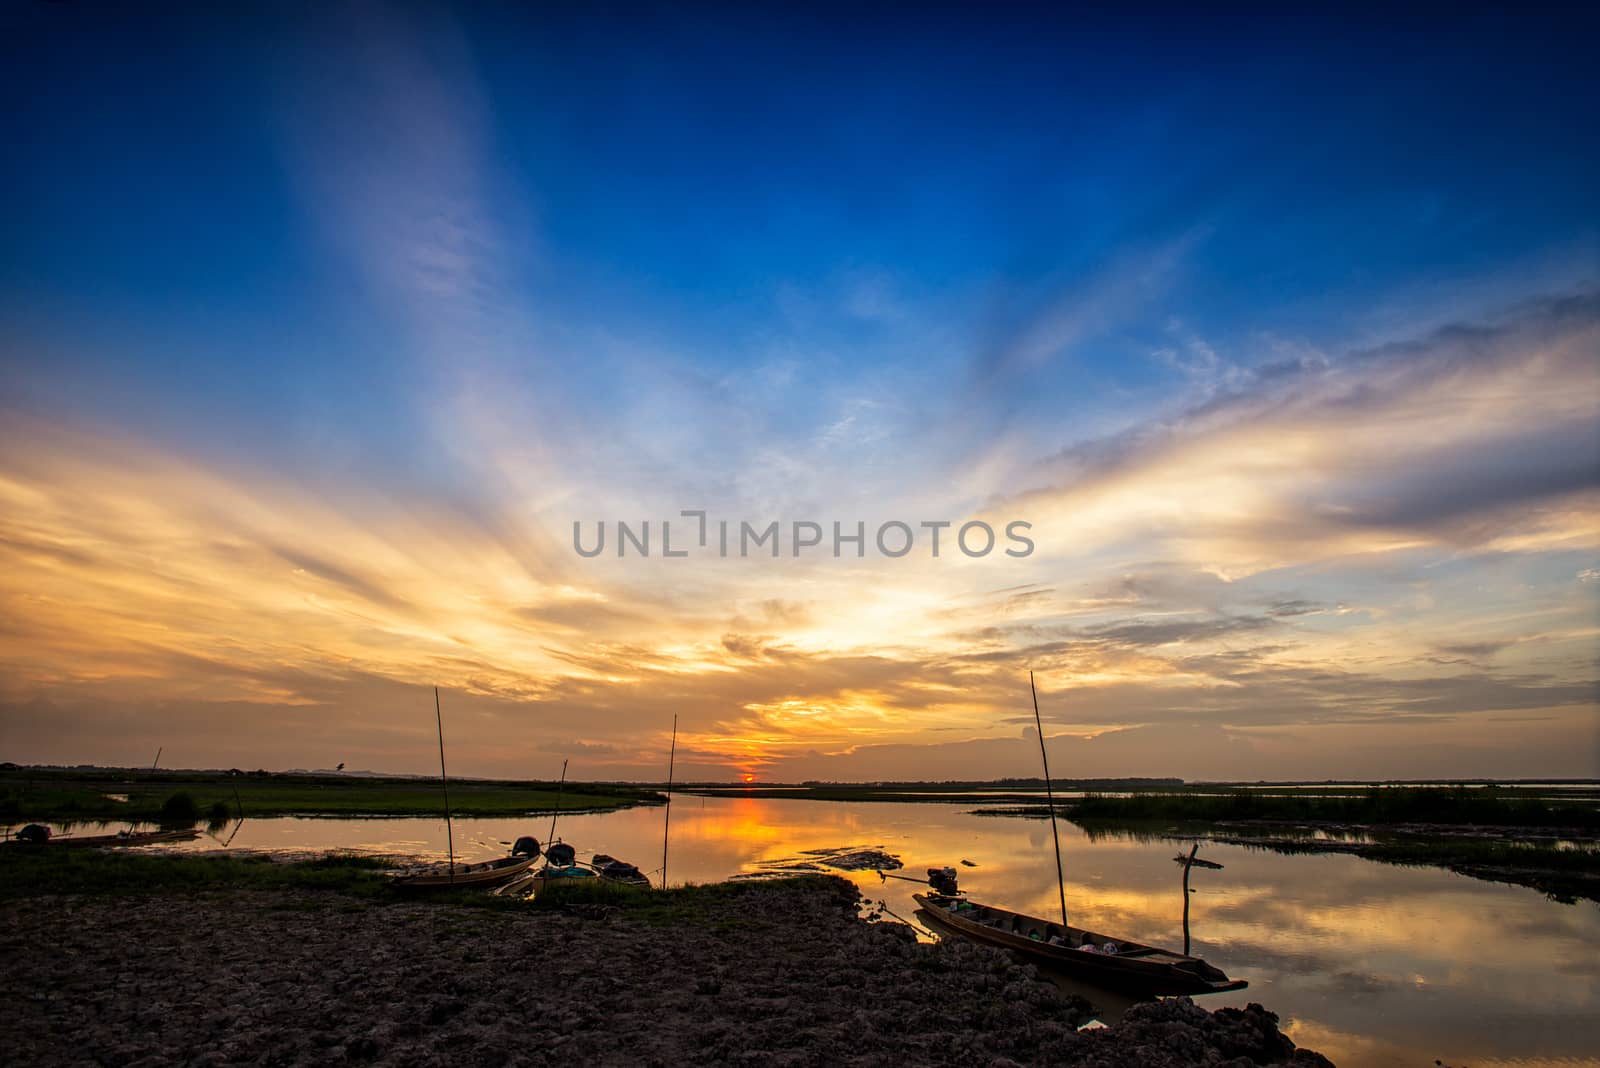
666, 816
240, 805
1049, 792
560, 789
449, 832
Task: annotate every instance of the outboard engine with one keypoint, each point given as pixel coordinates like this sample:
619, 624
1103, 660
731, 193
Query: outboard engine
561, 855
943, 881
527, 846
34, 834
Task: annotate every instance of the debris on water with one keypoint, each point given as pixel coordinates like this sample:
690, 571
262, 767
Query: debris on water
968, 863
841, 858
759, 876
864, 860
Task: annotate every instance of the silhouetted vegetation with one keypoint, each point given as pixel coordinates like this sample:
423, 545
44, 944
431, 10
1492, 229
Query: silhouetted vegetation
179, 810
1379, 806
1564, 874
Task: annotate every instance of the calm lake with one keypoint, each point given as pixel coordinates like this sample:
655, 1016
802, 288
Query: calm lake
1369, 963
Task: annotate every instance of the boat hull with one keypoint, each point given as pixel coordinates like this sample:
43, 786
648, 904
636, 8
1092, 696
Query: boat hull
109, 841
1134, 969
466, 876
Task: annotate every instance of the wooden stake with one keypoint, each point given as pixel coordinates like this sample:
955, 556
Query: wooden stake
157, 760
1049, 792
666, 816
449, 832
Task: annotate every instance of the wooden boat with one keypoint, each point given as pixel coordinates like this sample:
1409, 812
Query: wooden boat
522, 885
466, 876
1093, 958
613, 870
620, 871
557, 873
120, 840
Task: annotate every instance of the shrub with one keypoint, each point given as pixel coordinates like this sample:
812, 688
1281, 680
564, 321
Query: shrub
180, 808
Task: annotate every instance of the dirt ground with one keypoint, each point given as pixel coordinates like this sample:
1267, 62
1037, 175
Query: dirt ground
785, 978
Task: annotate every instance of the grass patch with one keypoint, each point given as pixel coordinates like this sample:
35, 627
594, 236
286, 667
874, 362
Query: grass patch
354, 882
27, 872
709, 903
1566, 875
70, 795
1483, 805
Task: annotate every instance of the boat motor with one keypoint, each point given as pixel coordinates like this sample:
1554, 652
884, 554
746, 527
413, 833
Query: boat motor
943, 881
561, 855
527, 846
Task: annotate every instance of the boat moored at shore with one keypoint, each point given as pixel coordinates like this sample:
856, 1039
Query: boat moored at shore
1113, 963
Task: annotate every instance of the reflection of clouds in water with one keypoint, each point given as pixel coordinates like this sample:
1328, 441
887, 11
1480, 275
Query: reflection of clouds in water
1359, 984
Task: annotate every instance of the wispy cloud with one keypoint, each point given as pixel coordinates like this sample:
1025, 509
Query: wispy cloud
137, 578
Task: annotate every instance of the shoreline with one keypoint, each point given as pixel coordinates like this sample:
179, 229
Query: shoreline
781, 972
1532, 856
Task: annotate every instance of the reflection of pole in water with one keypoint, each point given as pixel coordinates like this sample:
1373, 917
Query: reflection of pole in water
1191, 861
1188, 863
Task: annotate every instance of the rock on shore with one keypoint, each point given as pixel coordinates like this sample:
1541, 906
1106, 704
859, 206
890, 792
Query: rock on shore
761, 975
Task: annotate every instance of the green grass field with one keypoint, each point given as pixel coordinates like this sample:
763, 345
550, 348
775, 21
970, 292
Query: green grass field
116, 794
1487, 805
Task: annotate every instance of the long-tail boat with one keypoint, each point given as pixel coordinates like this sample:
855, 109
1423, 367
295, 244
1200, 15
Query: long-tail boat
1111, 963
1094, 958
122, 839
465, 876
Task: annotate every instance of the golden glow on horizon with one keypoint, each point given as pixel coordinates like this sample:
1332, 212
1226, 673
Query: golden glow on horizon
134, 575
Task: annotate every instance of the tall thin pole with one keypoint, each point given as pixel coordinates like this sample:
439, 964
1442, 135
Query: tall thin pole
560, 789
240, 803
157, 760
449, 833
1049, 791
666, 816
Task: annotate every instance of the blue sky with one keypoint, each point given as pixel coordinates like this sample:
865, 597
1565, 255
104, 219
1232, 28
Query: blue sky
506, 269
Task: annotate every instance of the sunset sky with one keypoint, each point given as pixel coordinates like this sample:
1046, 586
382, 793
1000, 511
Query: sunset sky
319, 331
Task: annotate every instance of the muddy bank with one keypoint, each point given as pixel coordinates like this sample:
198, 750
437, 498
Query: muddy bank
772, 974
